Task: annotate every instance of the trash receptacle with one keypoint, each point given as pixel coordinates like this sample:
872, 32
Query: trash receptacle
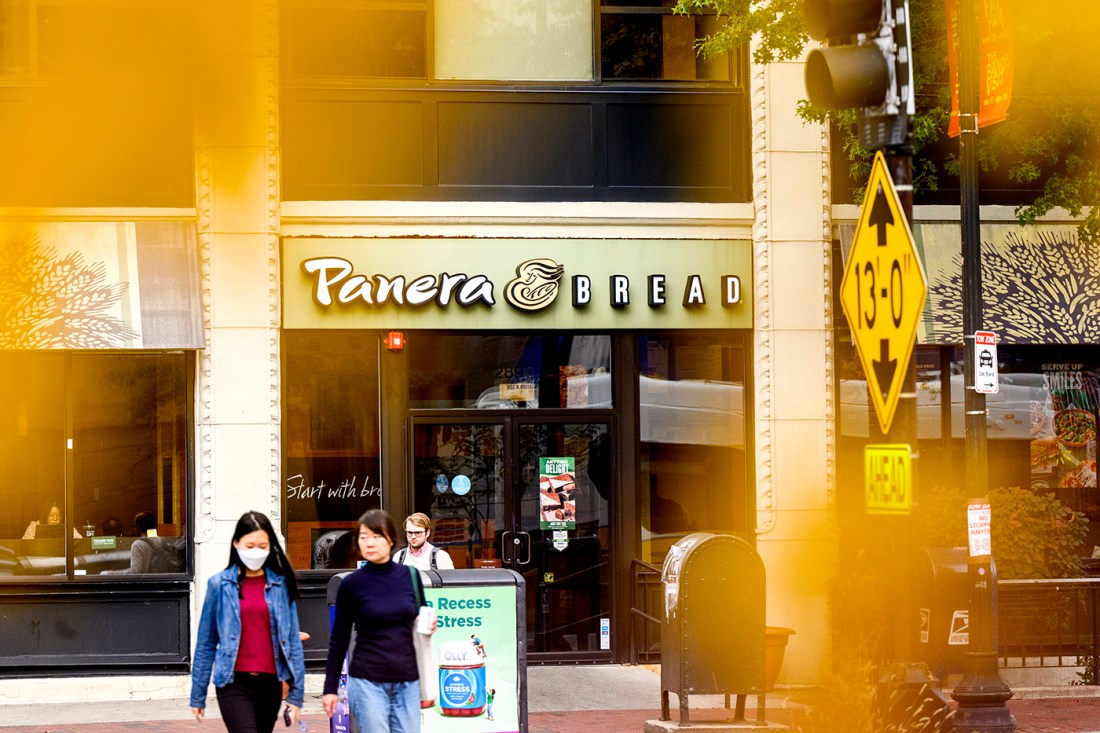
713, 635
942, 595
480, 647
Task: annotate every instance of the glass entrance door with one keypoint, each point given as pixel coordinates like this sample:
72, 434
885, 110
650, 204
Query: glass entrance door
563, 481
532, 495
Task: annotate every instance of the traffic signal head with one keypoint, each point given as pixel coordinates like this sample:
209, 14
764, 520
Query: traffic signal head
848, 76
829, 19
866, 65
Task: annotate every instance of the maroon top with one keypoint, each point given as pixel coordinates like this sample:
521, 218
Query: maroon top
255, 653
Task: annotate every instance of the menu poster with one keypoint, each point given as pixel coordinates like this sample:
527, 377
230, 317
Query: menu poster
557, 493
1063, 428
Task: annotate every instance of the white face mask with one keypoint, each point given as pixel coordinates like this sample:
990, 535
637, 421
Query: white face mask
253, 557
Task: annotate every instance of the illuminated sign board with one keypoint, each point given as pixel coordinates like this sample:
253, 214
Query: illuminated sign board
507, 284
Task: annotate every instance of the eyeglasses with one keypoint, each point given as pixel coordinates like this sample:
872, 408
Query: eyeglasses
414, 532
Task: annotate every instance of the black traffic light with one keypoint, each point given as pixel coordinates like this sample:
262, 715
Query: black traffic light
865, 66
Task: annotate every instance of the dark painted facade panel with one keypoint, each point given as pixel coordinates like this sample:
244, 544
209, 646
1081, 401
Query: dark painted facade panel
62, 147
143, 627
338, 145
508, 144
670, 145
490, 144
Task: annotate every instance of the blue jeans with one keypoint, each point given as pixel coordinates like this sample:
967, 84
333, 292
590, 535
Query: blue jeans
385, 707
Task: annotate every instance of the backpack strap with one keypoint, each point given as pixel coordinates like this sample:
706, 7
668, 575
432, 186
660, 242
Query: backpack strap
432, 561
418, 587
399, 558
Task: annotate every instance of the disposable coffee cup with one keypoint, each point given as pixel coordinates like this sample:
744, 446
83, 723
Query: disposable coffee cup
425, 620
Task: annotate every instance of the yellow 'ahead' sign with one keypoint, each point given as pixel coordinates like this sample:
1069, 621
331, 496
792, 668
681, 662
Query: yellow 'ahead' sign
883, 292
888, 479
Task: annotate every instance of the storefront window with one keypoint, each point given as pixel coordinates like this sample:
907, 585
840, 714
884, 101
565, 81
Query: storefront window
473, 371
93, 454
1040, 425
331, 443
692, 452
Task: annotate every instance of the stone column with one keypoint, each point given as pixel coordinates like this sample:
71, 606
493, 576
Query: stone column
794, 408
237, 196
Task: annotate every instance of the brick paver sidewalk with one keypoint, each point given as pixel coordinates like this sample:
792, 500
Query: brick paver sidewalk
1054, 715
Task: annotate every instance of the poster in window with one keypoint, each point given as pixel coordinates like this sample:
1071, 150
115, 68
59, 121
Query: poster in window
557, 493
1063, 428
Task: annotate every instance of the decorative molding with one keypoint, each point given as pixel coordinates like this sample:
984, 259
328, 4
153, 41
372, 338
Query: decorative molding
204, 404
830, 350
763, 356
274, 372
272, 166
270, 12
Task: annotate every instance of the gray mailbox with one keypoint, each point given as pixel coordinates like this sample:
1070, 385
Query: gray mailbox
712, 640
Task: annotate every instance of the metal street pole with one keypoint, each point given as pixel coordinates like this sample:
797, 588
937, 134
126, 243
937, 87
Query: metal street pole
981, 694
899, 161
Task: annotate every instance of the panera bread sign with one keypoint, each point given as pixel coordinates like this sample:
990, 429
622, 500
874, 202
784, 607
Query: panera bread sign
498, 284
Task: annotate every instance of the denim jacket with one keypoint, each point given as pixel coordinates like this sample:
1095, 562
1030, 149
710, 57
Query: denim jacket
220, 634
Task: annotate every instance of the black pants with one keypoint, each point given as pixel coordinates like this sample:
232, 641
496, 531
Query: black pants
250, 703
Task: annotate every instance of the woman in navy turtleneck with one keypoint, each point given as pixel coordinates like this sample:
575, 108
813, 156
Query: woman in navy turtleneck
380, 599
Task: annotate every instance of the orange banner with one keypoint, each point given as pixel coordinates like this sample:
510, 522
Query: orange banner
995, 62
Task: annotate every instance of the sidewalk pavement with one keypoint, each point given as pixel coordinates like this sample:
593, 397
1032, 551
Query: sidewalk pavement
576, 699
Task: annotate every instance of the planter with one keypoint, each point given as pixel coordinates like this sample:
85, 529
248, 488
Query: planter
775, 644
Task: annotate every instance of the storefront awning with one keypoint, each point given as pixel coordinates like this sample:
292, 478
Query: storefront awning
1040, 284
99, 285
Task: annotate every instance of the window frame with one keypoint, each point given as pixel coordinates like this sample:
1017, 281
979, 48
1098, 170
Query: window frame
735, 61
30, 65
67, 490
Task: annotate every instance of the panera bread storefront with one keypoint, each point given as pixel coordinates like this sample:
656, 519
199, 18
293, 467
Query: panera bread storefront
443, 375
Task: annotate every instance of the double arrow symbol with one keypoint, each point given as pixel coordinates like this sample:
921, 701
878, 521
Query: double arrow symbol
885, 367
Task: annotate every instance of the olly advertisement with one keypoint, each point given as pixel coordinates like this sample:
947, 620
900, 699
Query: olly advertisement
475, 654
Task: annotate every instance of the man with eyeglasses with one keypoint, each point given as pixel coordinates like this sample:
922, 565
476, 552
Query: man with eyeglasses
420, 553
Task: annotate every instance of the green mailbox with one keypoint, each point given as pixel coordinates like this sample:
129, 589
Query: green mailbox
712, 639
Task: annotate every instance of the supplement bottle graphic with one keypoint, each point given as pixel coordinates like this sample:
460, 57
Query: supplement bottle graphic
461, 680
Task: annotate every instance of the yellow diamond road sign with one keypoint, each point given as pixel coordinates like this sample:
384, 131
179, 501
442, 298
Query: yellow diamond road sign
883, 292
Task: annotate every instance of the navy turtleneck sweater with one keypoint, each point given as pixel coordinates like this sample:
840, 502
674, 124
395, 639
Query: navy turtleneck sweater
381, 602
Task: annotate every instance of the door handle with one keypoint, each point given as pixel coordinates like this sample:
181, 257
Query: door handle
525, 542
506, 554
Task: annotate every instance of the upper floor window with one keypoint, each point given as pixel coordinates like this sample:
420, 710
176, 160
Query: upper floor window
498, 40
16, 57
107, 40
642, 39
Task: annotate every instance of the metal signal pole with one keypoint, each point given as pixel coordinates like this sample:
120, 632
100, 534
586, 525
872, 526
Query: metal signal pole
981, 694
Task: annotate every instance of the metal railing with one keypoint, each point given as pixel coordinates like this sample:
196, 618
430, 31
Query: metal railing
646, 612
1049, 623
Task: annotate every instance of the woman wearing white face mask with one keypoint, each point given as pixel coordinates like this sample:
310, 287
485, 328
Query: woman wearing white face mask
248, 637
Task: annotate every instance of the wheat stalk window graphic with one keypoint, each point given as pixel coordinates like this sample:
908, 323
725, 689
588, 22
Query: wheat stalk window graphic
1044, 290
49, 301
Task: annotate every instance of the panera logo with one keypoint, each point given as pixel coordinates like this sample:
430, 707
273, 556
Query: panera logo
535, 287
